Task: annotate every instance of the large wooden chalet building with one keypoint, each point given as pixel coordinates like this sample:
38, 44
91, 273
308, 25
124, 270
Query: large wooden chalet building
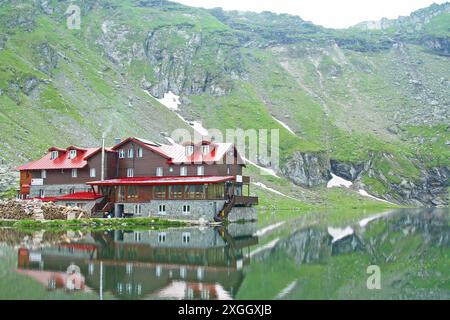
138, 177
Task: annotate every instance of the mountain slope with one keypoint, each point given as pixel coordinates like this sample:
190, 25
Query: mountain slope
368, 105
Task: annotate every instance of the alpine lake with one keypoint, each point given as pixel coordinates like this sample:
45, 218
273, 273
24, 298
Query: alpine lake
394, 254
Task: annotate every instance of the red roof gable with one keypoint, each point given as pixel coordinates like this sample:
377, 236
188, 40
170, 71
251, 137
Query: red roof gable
63, 161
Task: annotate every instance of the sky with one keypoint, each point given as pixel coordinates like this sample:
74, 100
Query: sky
328, 13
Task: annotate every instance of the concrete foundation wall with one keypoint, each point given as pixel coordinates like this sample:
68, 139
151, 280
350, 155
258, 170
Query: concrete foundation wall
205, 209
57, 189
242, 214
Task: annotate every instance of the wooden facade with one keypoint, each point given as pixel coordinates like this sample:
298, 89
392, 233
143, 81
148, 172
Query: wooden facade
146, 165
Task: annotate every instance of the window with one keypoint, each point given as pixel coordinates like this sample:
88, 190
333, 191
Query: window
189, 150
183, 272
138, 209
160, 192
186, 209
140, 153
130, 172
92, 173
162, 237
72, 154
132, 192
43, 174
130, 153
170, 169
177, 192
137, 236
54, 155
183, 171
228, 169
205, 149
162, 209
186, 236
121, 153
159, 171
41, 193
200, 170
74, 173
129, 266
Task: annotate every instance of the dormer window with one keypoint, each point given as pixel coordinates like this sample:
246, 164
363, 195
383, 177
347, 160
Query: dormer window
54, 155
189, 150
72, 154
205, 149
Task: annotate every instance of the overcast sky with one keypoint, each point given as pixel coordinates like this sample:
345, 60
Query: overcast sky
328, 13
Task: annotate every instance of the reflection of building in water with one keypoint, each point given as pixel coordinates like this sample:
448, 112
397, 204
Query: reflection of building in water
163, 264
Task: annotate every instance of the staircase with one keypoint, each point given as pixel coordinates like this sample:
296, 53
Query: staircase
226, 210
101, 208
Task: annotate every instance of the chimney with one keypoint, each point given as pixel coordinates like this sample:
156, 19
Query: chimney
117, 140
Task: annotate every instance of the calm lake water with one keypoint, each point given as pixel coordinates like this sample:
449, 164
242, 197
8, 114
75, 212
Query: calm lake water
299, 259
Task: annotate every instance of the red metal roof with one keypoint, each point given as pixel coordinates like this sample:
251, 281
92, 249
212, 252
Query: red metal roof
152, 181
63, 161
72, 196
80, 196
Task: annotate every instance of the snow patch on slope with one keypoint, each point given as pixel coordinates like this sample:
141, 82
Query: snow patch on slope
336, 181
262, 185
365, 194
287, 290
268, 246
265, 170
284, 125
338, 233
263, 231
170, 100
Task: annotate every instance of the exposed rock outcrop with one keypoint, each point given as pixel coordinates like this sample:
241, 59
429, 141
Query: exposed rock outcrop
307, 169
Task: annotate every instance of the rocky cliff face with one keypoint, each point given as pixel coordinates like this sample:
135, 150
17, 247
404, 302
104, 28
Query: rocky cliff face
307, 169
187, 62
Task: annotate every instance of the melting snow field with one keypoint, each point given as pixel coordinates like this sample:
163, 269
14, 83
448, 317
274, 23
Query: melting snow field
338, 233
284, 125
287, 290
263, 231
268, 246
365, 194
336, 181
266, 170
170, 100
262, 185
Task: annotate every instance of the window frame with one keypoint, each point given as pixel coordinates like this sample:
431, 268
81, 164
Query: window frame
130, 153
74, 173
121, 154
43, 174
206, 149
183, 171
189, 150
159, 171
54, 155
202, 169
128, 172
72, 154
90, 172
163, 207
140, 152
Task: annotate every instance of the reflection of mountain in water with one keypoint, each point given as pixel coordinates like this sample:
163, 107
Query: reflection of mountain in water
175, 264
317, 244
